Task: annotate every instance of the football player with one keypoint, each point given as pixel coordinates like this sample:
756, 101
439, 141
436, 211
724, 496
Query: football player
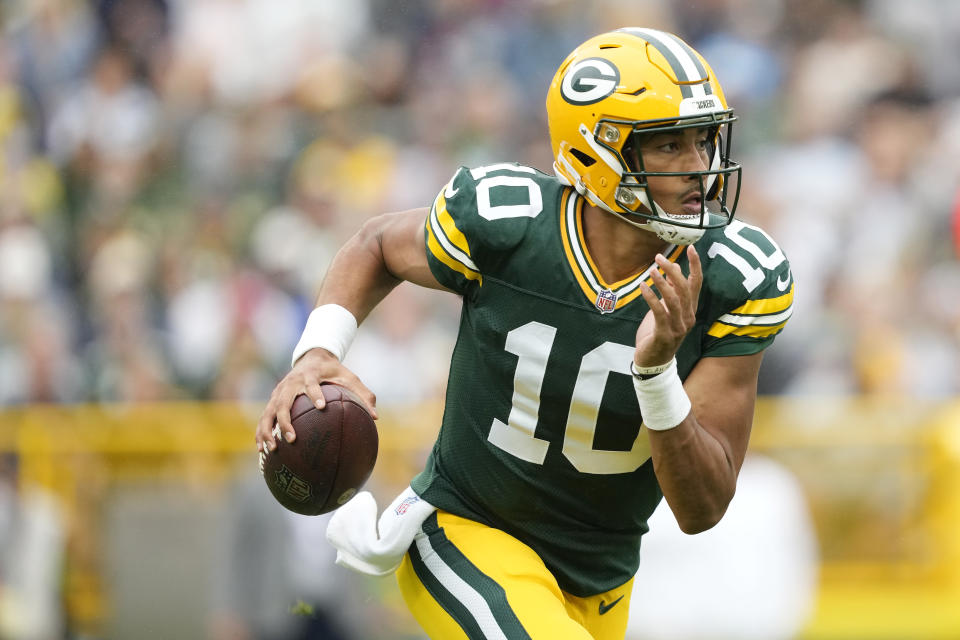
614, 318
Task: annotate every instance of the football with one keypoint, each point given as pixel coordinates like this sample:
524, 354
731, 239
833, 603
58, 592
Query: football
331, 458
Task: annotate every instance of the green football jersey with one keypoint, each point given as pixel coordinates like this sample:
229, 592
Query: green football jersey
542, 435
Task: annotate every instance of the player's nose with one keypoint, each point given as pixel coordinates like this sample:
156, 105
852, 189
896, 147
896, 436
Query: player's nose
695, 159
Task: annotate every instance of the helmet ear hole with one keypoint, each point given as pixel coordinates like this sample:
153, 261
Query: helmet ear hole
584, 159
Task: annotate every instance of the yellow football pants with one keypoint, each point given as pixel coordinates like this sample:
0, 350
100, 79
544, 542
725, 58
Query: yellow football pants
465, 580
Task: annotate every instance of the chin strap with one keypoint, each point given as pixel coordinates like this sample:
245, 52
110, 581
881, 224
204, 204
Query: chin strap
672, 233
664, 230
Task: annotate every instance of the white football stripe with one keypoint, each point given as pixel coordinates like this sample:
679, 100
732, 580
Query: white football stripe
458, 587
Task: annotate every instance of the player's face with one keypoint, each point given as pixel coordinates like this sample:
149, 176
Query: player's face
685, 150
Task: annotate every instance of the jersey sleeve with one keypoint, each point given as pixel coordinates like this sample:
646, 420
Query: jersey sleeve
478, 217
750, 288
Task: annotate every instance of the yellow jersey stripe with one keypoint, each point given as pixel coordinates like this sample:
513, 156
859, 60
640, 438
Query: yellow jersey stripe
438, 251
719, 330
449, 227
766, 306
592, 264
448, 247
627, 299
767, 320
568, 249
584, 269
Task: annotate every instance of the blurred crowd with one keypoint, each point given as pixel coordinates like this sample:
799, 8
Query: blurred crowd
175, 176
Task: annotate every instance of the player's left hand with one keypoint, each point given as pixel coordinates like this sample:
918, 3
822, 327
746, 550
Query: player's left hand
672, 315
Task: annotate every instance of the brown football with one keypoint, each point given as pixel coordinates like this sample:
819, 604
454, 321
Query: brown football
331, 458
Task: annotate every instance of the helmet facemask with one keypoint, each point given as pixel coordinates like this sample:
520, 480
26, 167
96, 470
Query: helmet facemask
632, 194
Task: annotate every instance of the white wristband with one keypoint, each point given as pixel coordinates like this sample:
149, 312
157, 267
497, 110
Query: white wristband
663, 402
329, 326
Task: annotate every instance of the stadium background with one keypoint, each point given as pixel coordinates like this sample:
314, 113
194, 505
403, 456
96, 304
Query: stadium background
176, 174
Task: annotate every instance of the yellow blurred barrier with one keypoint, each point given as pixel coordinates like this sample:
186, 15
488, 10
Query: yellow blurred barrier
882, 477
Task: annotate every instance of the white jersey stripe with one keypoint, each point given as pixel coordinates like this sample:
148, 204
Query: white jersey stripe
469, 597
454, 252
744, 321
571, 222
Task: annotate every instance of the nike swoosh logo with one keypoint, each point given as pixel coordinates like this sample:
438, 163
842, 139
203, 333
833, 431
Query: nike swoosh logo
604, 607
449, 191
782, 284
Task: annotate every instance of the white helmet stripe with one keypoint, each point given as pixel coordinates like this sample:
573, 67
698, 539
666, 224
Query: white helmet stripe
685, 64
608, 158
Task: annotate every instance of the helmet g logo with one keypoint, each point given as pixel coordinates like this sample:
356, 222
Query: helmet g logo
589, 81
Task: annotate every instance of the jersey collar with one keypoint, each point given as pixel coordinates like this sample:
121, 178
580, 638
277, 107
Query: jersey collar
604, 296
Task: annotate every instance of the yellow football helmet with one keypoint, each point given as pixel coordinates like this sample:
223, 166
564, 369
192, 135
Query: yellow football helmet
632, 82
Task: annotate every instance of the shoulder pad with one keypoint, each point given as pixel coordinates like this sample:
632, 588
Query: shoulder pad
481, 212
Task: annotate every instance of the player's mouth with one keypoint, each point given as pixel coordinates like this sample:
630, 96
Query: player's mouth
692, 204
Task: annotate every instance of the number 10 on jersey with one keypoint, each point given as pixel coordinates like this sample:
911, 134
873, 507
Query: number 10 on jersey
532, 344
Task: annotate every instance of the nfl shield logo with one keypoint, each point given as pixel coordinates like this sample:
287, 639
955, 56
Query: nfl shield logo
606, 300
403, 506
295, 487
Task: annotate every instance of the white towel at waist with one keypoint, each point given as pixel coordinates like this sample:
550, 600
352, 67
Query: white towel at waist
371, 546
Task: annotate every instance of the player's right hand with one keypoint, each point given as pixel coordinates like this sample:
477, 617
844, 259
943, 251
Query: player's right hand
316, 366
673, 314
